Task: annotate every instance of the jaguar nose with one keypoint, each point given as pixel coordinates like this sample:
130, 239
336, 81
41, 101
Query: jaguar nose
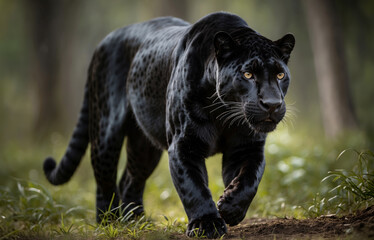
270, 105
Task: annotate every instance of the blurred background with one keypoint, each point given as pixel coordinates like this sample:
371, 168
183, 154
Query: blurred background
45, 50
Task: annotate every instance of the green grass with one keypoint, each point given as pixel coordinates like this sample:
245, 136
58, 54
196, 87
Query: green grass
352, 189
31, 211
32, 208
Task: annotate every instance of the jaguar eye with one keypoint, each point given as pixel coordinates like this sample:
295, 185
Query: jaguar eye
280, 76
248, 75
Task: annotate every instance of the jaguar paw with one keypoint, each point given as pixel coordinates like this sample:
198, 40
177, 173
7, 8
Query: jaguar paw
231, 211
209, 226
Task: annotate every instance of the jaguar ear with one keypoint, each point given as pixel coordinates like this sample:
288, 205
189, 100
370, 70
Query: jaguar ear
286, 45
223, 44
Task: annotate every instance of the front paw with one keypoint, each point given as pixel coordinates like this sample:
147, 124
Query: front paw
232, 208
209, 226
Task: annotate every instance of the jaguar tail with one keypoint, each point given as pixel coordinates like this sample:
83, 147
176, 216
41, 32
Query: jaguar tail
76, 149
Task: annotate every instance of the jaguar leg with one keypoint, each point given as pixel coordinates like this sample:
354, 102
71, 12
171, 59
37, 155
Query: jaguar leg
105, 153
242, 171
108, 112
188, 171
142, 159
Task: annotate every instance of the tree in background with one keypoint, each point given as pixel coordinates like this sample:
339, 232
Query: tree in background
42, 28
46, 21
331, 70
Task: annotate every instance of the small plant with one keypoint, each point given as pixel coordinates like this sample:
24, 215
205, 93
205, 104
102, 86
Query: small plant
173, 225
352, 189
63, 229
120, 221
110, 231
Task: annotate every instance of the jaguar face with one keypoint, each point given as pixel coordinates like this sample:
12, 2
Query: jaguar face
252, 79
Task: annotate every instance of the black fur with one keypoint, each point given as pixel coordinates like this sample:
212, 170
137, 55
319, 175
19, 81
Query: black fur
166, 84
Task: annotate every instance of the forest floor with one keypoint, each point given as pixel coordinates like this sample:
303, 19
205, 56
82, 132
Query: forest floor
354, 226
326, 227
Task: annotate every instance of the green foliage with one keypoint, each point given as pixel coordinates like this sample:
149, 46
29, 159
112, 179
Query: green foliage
173, 225
296, 163
121, 221
351, 190
33, 205
32, 211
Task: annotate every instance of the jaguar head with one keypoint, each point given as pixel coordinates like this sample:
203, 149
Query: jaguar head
252, 77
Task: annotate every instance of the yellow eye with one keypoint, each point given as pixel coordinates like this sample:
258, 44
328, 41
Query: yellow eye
248, 75
280, 76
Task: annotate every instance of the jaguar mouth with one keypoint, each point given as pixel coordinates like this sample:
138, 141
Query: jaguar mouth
265, 126
268, 120
263, 122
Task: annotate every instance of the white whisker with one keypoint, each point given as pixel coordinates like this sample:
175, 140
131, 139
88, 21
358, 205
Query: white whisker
233, 115
236, 119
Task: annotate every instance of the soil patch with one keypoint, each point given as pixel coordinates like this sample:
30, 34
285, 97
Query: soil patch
354, 226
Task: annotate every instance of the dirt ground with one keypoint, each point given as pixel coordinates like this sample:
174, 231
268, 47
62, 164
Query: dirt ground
355, 226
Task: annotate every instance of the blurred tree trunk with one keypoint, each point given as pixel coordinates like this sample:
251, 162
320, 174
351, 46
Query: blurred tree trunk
44, 60
331, 71
46, 20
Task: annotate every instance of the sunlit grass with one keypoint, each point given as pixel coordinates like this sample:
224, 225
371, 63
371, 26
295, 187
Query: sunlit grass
350, 191
31, 211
